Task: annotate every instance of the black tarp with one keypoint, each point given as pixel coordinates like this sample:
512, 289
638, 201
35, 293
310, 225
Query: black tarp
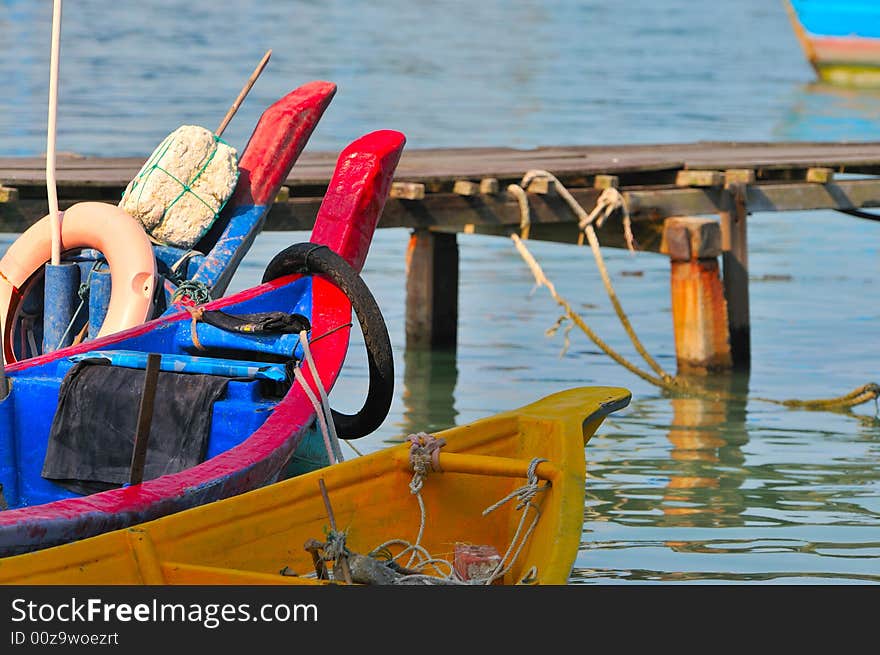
92, 435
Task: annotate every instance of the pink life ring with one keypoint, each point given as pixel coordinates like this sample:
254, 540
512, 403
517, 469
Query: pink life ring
104, 227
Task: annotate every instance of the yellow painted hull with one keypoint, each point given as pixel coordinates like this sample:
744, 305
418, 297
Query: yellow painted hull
250, 538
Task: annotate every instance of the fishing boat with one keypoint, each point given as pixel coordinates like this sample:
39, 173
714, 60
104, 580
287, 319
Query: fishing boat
500, 501
840, 38
227, 375
149, 275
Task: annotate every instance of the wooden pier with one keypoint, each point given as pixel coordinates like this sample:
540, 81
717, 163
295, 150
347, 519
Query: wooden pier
439, 193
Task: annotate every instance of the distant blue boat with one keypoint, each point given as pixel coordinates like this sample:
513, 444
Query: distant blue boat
840, 38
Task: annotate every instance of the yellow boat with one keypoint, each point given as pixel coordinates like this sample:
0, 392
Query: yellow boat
528, 463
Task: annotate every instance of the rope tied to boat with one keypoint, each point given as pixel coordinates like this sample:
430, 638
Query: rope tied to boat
335, 547
195, 314
660, 378
424, 458
197, 292
525, 495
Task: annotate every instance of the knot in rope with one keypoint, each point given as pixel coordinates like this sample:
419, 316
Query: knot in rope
196, 313
424, 458
525, 493
197, 292
609, 201
335, 547
606, 204
83, 291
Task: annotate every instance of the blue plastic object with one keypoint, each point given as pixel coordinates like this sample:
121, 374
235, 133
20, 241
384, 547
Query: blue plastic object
61, 299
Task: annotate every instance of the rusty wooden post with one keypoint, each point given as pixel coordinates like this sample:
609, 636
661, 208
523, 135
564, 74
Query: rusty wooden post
735, 259
699, 313
431, 290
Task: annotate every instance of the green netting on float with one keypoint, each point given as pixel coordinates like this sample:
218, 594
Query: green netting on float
154, 166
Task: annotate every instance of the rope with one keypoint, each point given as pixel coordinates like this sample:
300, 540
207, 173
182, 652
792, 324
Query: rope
609, 201
335, 547
197, 292
569, 313
424, 457
175, 275
525, 494
321, 406
196, 314
325, 401
676, 384
83, 293
525, 214
319, 414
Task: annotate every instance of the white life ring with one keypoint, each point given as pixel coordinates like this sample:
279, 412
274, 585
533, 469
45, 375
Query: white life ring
104, 227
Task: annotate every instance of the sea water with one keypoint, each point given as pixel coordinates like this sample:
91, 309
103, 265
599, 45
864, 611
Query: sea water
678, 490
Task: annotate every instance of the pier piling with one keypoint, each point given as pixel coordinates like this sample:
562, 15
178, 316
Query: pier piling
699, 311
735, 259
431, 290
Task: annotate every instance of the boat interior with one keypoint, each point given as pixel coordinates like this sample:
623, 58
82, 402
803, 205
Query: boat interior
253, 366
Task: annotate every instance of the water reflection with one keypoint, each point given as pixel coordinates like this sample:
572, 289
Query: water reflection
705, 471
429, 381
776, 500
822, 112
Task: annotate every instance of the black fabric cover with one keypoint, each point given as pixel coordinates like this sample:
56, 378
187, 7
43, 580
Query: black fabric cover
262, 323
92, 435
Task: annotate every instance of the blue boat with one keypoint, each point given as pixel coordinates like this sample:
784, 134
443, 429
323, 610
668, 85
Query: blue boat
81, 299
233, 405
840, 38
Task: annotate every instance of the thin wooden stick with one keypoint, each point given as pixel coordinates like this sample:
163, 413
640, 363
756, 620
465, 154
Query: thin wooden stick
244, 92
55, 218
145, 419
343, 560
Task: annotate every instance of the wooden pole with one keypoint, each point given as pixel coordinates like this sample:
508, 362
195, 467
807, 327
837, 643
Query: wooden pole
699, 313
145, 419
241, 96
431, 290
735, 259
343, 560
4, 381
55, 217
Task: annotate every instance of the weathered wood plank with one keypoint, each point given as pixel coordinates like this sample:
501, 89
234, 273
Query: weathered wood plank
453, 212
506, 164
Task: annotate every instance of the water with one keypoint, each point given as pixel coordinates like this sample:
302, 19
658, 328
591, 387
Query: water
678, 490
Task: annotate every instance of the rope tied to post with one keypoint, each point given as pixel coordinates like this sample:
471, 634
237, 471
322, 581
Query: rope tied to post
610, 200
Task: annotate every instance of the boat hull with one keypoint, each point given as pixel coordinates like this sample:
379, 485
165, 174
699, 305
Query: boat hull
251, 538
345, 223
840, 39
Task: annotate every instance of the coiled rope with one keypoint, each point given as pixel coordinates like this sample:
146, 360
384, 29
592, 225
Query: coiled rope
424, 459
609, 201
197, 292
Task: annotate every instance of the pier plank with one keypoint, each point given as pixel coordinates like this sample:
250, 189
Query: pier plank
449, 164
